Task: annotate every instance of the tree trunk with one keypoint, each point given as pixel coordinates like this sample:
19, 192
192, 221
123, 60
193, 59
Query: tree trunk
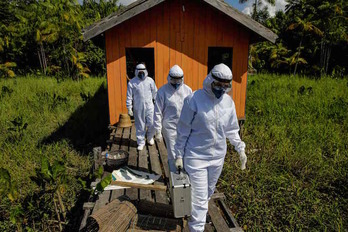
298, 55
65, 59
325, 54
322, 55
43, 58
254, 14
328, 54
38, 54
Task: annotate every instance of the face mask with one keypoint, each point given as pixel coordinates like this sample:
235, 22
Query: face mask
141, 75
177, 85
218, 91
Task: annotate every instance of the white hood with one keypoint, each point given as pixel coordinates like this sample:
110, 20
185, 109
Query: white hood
141, 67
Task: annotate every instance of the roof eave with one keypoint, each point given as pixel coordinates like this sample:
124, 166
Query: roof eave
143, 5
244, 20
104, 25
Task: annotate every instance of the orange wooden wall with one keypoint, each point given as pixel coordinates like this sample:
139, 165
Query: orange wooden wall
178, 37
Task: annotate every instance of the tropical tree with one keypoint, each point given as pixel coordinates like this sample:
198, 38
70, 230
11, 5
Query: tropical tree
335, 27
279, 56
260, 11
305, 26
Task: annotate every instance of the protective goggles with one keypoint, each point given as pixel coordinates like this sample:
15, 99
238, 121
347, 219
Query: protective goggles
220, 79
175, 81
220, 85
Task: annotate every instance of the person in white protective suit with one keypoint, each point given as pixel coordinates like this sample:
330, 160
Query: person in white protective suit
169, 101
141, 91
208, 117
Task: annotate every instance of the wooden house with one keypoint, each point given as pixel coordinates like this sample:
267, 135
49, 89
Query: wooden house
195, 34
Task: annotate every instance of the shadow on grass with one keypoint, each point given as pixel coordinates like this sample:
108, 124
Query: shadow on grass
87, 127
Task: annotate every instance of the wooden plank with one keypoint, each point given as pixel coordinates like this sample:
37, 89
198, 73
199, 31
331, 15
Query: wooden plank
132, 193
160, 197
139, 186
196, 47
172, 33
111, 75
216, 217
88, 205
218, 196
164, 156
166, 37
188, 43
86, 213
143, 165
202, 46
157, 223
103, 199
117, 139
155, 209
241, 113
228, 215
208, 228
116, 194
125, 139
124, 144
160, 47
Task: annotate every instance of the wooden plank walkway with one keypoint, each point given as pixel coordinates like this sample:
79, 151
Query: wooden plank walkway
154, 210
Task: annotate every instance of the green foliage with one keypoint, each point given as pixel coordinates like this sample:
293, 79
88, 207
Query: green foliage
99, 172
46, 36
296, 133
47, 160
312, 39
16, 130
103, 183
7, 186
6, 69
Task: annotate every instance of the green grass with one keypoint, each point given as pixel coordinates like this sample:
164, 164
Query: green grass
296, 132
64, 121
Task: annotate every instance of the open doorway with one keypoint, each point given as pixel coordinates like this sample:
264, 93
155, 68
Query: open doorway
217, 55
135, 56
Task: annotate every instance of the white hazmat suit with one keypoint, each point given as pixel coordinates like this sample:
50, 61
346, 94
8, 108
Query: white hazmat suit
169, 101
141, 91
205, 122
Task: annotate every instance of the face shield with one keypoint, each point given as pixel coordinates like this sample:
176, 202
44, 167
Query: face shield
176, 81
220, 86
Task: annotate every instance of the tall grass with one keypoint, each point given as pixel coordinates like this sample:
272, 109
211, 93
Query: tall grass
40, 117
296, 133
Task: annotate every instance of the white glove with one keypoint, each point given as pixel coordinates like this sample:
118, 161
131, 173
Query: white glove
179, 164
158, 135
130, 112
243, 159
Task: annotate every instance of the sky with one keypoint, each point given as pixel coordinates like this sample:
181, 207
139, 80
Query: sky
246, 8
